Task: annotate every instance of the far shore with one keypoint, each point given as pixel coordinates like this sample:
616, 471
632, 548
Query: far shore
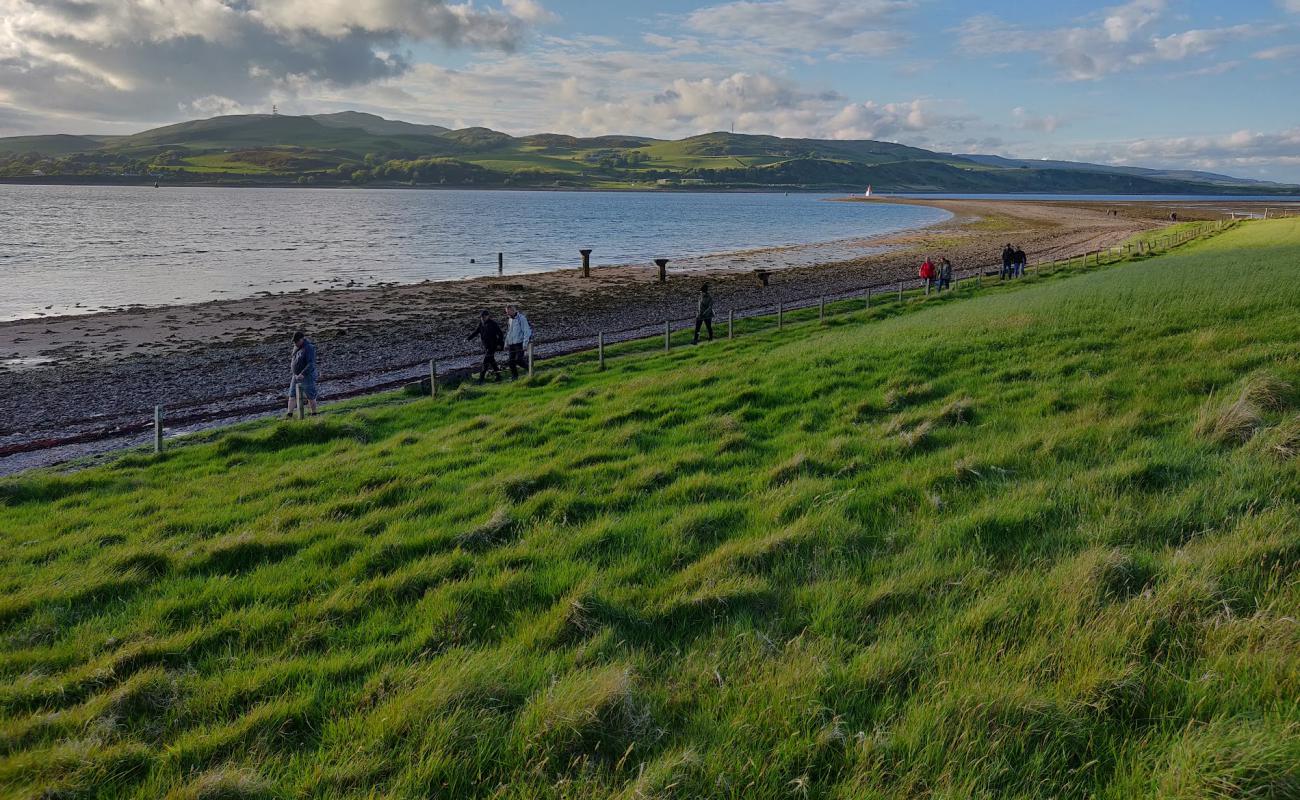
92, 372
851, 191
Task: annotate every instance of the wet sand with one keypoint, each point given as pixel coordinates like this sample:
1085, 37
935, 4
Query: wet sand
71, 375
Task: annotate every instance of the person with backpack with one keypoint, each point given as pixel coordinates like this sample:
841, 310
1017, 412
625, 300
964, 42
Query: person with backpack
927, 273
519, 334
704, 313
489, 333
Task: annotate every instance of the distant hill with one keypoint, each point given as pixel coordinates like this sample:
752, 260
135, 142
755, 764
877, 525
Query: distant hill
376, 125
52, 145
354, 148
1173, 174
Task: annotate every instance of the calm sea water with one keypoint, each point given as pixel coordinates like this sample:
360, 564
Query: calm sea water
78, 249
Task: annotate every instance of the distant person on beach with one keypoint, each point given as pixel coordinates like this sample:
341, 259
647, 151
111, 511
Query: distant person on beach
1020, 261
488, 332
302, 373
518, 335
945, 274
927, 273
704, 313
1008, 258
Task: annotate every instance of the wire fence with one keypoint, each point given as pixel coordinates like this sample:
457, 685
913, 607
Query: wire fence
449, 366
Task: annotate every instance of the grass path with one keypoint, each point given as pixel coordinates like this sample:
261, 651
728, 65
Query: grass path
1041, 542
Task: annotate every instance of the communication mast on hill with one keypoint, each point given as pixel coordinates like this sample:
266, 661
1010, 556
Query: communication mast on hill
275, 110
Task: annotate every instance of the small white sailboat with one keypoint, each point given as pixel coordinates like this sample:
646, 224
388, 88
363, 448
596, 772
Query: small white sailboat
867, 193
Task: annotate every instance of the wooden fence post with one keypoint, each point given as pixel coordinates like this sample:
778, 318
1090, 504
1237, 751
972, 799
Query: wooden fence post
667, 335
530, 359
600, 350
731, 319
780, 315
433, 378
298, 397
501, 264
821, 310
157, 429
900, 291
868, 297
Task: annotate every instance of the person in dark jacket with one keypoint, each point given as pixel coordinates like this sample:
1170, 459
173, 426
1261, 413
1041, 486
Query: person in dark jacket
1021, 261
302, 373
704, 313
1008, 259
489, 333
945, 274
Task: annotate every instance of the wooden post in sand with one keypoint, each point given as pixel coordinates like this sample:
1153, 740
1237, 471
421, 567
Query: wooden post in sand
501, 264
433, 378
662, 264
157, 429
600, 350
586, 263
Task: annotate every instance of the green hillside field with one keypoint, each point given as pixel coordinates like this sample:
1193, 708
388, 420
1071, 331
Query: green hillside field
1028, 541
354, 149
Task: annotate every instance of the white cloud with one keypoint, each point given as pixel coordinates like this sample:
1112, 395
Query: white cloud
144, 59
1124, 37
1280, 53
530, 11
1048, 123
1270, 156
454, 24
843, 28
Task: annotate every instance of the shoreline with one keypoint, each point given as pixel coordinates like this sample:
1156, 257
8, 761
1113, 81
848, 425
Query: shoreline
793, 255
849, 189
110, 368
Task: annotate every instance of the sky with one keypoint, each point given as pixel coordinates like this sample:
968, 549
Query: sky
1194, 84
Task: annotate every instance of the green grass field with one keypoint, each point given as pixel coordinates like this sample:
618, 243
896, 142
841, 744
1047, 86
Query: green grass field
1042, 541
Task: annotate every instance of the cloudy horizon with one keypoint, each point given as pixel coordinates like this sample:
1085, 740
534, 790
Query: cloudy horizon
1149, 82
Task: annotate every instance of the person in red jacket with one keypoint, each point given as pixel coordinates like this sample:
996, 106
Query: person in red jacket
927, 273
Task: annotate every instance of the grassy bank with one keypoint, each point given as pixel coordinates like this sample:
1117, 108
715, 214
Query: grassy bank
1040, 542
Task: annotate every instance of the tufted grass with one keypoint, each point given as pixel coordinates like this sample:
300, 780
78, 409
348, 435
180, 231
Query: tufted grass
1039, 542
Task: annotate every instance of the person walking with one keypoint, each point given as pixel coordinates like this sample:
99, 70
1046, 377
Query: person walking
1008, 258
519, 334
945, 274
1021, 260
927, 273
302, 374
489, 333
704, 313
